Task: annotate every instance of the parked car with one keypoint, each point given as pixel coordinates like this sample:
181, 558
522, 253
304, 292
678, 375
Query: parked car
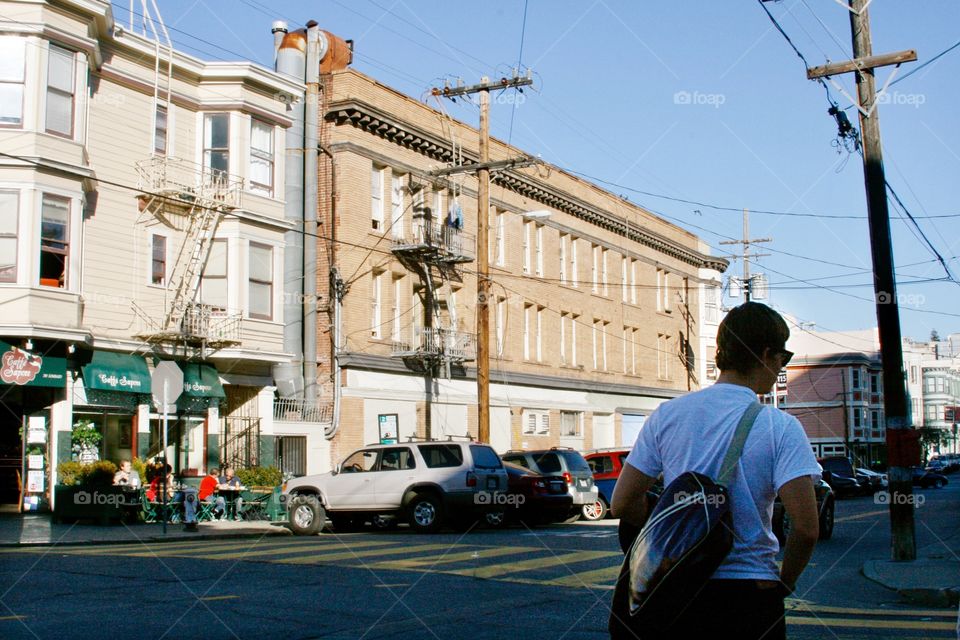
839, 474
878, 481
606, 465
826, 506
871, 480
425, 483
937, 465
565, 462
531, 498
925, 479
944, 462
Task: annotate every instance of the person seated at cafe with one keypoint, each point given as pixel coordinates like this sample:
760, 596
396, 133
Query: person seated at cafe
126, 476
208, 493
230, 482
186, 496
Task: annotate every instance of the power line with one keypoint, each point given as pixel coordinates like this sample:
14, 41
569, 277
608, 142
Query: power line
925, 64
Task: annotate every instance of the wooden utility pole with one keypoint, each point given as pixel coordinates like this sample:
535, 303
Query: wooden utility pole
746, 255
902, 445
483, 244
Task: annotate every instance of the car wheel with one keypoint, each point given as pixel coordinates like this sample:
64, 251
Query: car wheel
594, 511
384, 523
938, 483
425, 513
826, 521
495, 519
306, 515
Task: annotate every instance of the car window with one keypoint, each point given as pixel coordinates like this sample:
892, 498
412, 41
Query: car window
575, 461
548, 462
360, 461
441, 455
623, 459
839, 466
601, 464
484, 457
397, 459
518, 460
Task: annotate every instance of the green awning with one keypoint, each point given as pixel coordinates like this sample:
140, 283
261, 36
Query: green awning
28, 369
201, 381
110, 371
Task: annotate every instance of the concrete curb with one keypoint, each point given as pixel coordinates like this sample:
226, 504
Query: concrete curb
172, 536
929, 582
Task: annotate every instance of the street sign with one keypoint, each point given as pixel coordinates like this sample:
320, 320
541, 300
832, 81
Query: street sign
167, 384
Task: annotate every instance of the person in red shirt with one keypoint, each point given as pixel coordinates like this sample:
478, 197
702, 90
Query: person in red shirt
208, 488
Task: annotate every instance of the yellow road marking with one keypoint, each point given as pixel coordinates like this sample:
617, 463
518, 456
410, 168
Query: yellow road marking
872, 624
213, 598
12, 617
429, 561
917, 613
190, 549
862, 515
289, 549
604, 576
543, 562
350, 555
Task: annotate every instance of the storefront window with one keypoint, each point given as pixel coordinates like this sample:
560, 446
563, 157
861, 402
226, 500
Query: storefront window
117, 432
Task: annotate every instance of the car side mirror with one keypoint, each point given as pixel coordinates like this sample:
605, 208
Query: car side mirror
336, 469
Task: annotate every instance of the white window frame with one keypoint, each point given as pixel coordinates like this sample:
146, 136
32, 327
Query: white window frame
396, 329
396, 206
634, 285
61, 92
208, 277
499, 325
563, 337
17, 46
539, 249
603, 345
539, 335
574, 274
215, 175
536, 421
595, 343
11, 275
265, 156
161, 133
376, 304
376, 197
604, 276
499, 222
527, 225
269, 282
624, 285
46, 245
564, 238
164, 281
577, 417
595, 269
573, 339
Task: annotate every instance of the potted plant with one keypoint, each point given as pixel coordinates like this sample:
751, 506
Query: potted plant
87, 491
85, 440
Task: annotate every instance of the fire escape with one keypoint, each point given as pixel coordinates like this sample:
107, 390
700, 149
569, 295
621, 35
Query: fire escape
433, 248
192, 199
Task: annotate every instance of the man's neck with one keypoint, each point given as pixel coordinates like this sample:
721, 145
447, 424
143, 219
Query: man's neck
749, 381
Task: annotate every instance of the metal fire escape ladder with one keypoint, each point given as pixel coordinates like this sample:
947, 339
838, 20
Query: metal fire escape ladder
191, 260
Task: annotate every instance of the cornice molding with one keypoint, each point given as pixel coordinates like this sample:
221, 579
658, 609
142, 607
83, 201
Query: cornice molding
371, 119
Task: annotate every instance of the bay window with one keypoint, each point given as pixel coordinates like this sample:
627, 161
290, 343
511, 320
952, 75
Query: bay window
216, 144
261, 158
54, 240
213, 284
12, 59
260, 280
60, 91
9, 215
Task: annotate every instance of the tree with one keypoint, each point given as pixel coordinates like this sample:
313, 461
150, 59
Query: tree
932, 438
934, 336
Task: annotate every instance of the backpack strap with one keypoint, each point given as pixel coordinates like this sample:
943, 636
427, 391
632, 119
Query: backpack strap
739, 438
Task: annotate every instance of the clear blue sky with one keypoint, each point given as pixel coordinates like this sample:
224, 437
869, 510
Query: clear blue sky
697, 100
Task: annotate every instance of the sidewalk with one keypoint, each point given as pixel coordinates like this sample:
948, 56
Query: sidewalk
38, 529
933, 579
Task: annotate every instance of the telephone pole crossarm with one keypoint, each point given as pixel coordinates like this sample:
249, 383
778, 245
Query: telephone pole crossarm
498, 165
484, 85
861, 64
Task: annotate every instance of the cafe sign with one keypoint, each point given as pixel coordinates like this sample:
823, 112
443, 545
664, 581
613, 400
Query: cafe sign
23, 368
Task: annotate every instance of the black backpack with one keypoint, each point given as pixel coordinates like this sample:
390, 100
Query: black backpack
684, 541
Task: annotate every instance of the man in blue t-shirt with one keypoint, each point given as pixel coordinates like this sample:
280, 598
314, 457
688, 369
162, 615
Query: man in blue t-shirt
744, 597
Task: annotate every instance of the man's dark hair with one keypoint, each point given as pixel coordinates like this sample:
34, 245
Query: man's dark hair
745, 333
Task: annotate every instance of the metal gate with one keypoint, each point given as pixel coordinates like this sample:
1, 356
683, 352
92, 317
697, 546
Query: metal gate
240, 442
292, 455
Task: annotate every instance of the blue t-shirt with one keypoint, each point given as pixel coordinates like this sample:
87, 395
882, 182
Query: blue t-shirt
692, 433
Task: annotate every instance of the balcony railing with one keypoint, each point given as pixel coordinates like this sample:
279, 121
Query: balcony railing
211, 324
453, 345
300, 410
444, 241
189, 182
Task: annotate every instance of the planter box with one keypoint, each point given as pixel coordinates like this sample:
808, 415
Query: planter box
102, 504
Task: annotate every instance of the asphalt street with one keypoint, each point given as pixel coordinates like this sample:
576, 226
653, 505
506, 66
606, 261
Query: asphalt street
549, 582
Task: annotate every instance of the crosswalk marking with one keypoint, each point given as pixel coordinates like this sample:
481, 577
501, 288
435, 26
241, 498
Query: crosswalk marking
920, 613
287, 549
603, 576
873, 624
429, 561
494, 570
350, 555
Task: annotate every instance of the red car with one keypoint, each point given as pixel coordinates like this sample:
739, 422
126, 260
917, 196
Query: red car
605, 465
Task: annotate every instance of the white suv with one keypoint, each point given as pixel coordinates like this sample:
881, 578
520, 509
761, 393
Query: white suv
424, 482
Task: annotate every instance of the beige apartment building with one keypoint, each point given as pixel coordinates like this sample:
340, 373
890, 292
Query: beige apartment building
128, 170
597, 307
